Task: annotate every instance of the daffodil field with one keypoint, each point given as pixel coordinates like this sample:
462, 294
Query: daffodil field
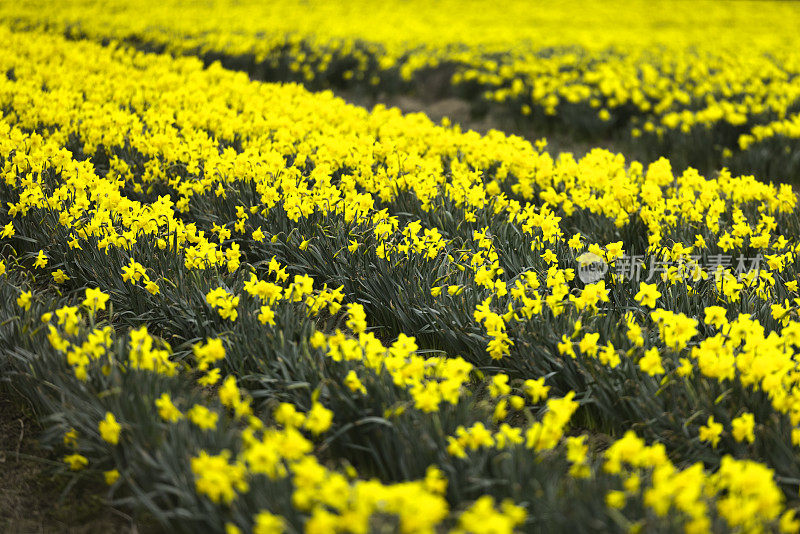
712, 84
248, 307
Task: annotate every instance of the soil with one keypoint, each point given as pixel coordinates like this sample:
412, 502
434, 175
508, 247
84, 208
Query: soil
32, 496
459, 111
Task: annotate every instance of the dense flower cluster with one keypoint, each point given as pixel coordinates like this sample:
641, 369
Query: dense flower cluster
710, 83
277, 311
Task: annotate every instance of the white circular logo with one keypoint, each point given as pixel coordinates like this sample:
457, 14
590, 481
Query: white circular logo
591, 267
